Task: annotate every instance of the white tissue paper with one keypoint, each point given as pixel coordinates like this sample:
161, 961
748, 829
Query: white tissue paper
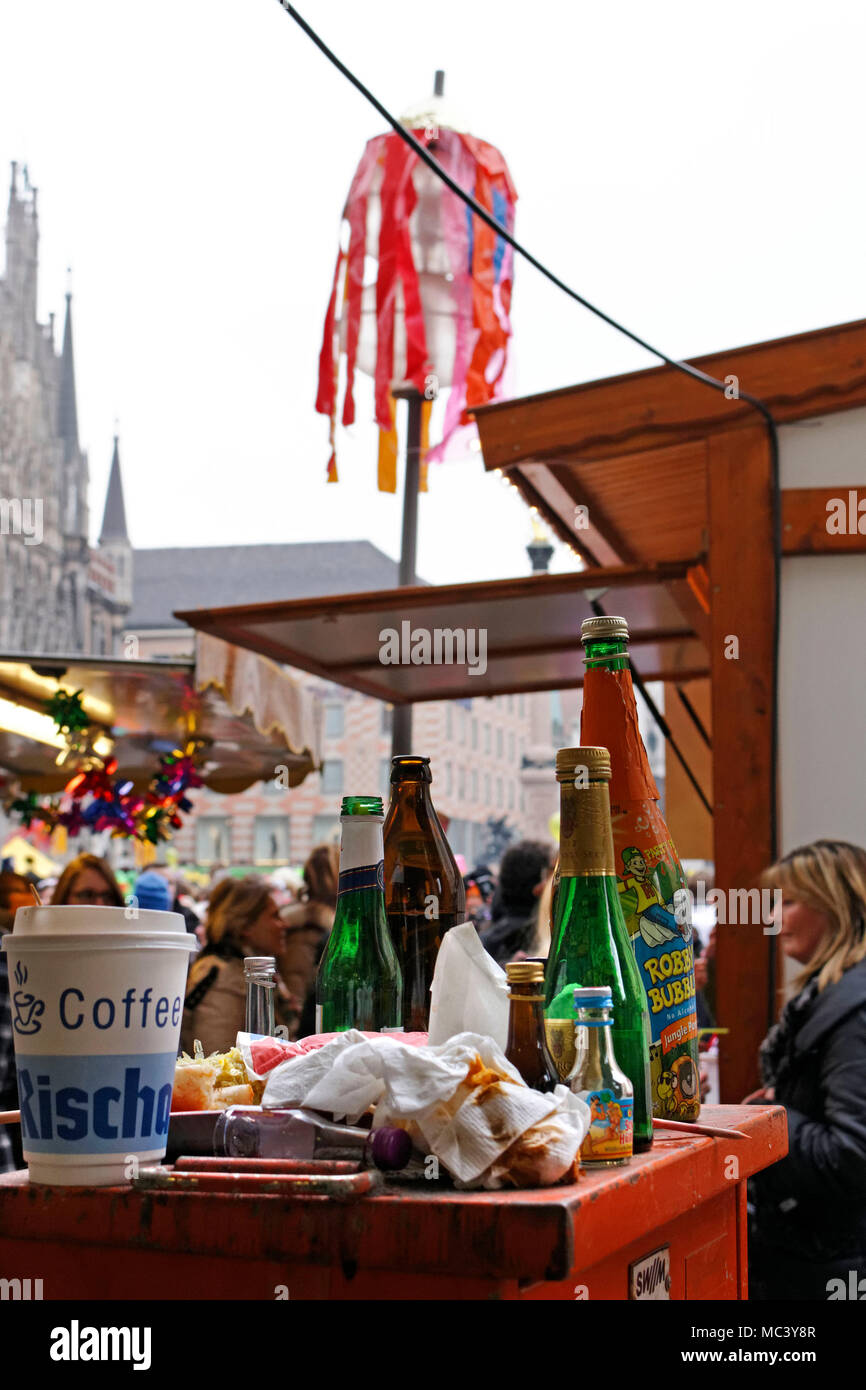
461, 1101
469, 992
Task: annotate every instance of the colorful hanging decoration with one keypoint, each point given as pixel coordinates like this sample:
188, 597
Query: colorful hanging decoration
68, 711
95, 798
438, 310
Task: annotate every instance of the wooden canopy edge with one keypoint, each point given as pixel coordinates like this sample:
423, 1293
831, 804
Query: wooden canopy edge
430, 595
803, 375
805, 531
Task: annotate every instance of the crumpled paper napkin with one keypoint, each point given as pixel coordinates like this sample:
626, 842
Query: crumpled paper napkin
469, 992
467, 1117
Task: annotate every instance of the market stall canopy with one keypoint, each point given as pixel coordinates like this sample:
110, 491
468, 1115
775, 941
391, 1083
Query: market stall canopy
500, 637
252, 716
620, 468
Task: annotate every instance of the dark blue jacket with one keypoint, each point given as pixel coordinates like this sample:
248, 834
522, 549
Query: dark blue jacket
809, 1210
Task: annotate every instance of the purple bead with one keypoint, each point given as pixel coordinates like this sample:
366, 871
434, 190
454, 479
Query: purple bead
390, 1148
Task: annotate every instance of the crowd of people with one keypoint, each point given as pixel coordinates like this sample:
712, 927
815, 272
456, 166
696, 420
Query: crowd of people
807, 1212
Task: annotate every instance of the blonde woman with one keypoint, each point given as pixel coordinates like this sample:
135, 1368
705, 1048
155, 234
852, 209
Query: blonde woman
242, 920
808, 1230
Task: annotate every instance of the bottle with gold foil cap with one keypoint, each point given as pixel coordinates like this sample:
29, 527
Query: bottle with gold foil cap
526, 1048
650, 881
589, 942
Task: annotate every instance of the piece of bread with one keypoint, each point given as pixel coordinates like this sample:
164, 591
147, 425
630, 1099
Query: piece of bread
214, 1082
194, 1084
224, 1096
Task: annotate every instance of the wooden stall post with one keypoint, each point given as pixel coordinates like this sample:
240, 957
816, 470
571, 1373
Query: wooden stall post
739, 488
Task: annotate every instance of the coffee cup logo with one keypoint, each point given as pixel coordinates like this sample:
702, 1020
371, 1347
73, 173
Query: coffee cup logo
27, 1009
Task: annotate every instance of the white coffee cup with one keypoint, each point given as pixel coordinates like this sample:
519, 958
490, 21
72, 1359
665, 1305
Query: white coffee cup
97, 998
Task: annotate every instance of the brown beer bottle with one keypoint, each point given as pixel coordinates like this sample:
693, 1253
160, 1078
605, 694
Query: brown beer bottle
526, 1048
424, 891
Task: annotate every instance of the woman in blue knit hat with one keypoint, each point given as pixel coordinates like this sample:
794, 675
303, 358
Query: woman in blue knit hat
152, 892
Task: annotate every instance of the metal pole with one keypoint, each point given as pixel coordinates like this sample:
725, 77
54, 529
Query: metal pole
401, 736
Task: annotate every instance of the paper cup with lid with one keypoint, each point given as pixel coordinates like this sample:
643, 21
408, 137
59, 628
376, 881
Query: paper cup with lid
97, 996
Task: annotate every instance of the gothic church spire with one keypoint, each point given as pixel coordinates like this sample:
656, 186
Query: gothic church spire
67, 417
114, 516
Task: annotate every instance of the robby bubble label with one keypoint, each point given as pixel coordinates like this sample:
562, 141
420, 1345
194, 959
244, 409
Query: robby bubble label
656, 908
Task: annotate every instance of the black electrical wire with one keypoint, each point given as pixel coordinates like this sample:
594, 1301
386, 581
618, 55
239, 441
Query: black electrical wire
684, 367
693, 715
664, 726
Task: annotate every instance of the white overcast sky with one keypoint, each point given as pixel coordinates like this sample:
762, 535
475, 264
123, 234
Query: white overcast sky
696, 169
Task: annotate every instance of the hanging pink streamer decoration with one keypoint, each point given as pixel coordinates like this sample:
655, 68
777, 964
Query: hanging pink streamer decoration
356, 215
382, 212
457, 161
398, 202
326, 398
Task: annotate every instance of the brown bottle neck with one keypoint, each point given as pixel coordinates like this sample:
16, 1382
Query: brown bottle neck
525, 1014
411, 808
412, 793
609, 720
585, 836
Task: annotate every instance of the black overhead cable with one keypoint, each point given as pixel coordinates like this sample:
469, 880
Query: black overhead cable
693, 715
685, 368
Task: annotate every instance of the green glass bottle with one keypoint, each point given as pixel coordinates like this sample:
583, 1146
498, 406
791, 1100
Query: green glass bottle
589, 942
359, 984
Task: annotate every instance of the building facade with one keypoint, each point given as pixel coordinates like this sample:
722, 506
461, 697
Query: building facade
57, 593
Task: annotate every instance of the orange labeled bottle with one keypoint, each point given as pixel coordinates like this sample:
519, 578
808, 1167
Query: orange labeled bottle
650, 880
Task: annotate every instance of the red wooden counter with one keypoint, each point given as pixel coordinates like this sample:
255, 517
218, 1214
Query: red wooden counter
688, 1194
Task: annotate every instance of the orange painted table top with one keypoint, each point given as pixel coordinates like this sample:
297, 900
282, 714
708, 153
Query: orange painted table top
121, 1242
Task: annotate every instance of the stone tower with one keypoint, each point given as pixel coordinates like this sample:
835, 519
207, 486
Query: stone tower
74, 511
56, 595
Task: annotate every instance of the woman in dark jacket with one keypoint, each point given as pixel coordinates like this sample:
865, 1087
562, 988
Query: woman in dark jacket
522, 875
808, 1228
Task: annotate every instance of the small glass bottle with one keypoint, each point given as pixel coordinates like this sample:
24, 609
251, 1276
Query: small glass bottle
250, 1132
597, 1079
260, 980
526, 1048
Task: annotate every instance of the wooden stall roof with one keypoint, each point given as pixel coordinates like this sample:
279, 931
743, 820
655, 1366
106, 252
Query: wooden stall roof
531, 630
618, 467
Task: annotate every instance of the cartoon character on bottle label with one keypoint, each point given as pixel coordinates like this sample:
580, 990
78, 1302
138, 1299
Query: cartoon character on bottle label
611, 1126
648, 913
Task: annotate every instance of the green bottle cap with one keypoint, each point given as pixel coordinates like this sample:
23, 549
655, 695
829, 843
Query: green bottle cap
361, 806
